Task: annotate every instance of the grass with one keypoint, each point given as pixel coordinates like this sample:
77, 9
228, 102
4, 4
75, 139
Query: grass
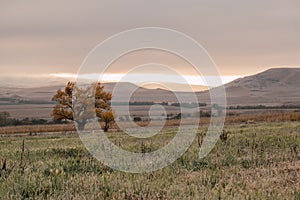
37, 129
232, 118
257, 161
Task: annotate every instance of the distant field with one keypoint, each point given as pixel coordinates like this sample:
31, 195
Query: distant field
233, 118
36, 129
45, 110
260, 161
28, 110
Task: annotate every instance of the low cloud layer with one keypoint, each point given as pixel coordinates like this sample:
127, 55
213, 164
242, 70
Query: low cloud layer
243, 37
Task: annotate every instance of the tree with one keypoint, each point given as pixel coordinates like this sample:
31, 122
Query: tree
83, 107
4, 118
107, 118
137, 119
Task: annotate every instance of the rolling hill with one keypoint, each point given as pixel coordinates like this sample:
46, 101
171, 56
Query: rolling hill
274, 86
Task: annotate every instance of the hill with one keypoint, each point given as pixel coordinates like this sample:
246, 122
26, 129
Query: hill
275, 86
272, 87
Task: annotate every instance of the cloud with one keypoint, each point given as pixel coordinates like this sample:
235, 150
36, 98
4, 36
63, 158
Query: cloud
241, 36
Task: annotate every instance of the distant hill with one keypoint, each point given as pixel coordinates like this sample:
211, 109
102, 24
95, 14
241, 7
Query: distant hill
177, 87
44, 94
274, 86
140, 93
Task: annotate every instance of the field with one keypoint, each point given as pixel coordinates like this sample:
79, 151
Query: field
233, 117
257, 161
28, 110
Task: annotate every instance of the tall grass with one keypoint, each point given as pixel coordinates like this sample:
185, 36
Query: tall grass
260, 161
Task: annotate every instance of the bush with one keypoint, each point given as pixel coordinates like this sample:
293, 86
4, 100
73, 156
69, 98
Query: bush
137, 119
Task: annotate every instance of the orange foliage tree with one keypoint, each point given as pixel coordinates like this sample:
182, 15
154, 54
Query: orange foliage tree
107, 118
83, 107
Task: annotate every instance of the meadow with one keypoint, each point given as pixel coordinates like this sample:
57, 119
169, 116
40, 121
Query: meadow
256, 161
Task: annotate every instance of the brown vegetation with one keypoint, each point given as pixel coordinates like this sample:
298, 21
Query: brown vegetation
240, 119
36, 129
74, 103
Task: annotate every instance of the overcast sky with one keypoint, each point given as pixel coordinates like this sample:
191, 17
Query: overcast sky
242, 37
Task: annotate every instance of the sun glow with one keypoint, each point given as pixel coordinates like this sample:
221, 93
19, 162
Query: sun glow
158, 78
64, 75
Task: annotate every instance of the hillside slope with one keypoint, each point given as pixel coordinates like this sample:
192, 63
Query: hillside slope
274, 86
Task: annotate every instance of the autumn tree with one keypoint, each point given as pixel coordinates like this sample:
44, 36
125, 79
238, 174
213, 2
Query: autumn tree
107, 118
82, 104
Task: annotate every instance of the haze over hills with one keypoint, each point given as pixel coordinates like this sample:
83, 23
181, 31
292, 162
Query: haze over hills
44, 94
178, 87
16, 89
274, 86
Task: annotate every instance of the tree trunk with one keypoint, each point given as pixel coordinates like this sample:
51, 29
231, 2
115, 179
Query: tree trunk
81, 125
106, 127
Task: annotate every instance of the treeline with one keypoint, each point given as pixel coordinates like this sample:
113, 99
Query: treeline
145, 103
168, 117
189, 105
264, 107
6, 120
12, 101
134, 103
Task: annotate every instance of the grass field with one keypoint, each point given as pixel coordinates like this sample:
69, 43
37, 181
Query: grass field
260, 161
243, 117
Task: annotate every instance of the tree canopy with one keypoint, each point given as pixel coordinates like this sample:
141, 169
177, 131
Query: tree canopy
77, 104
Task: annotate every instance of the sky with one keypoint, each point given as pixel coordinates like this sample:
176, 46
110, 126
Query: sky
242, 37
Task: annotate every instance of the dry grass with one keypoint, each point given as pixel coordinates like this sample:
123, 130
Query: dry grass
33, 130
240, 119
264, 117
258, 161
